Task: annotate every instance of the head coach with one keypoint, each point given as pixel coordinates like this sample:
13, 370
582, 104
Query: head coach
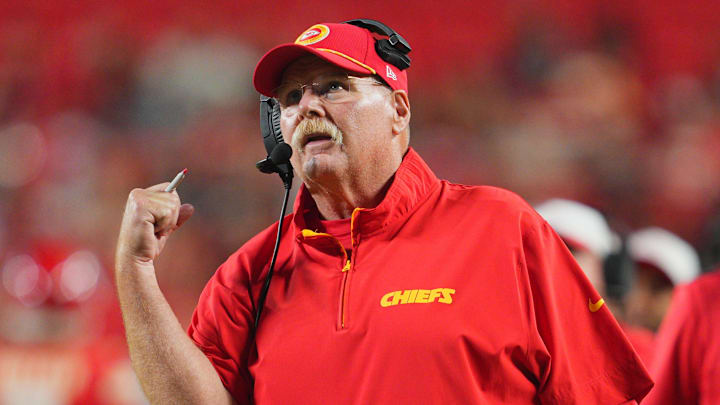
390, 285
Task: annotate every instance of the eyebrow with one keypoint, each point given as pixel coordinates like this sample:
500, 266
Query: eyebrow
286, 83
337, 71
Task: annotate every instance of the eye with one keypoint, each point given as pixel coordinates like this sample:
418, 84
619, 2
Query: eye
292, 97
337, 86
332, 87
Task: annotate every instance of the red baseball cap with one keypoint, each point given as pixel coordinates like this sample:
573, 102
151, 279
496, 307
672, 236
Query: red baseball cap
347, 46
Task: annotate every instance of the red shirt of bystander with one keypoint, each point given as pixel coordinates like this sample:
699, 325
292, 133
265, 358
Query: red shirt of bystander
686, 364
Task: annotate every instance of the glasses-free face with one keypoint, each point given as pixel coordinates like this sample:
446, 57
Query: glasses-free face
330, 87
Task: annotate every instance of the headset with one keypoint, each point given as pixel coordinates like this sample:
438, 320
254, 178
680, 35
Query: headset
393, 50
278, 152
277, 161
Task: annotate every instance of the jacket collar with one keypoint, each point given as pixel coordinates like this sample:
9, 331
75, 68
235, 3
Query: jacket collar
412, 183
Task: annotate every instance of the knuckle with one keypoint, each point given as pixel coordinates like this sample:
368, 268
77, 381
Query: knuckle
167, 213
135, 193
133, 202
162, 214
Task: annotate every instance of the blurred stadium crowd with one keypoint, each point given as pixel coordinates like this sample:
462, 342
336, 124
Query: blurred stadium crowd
613, 105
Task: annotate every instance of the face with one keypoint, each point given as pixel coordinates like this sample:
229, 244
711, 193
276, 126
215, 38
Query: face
347, 137
592, 267
649, 299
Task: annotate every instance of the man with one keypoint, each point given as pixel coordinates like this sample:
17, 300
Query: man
390, 284
687, 363
590, 239
662, 261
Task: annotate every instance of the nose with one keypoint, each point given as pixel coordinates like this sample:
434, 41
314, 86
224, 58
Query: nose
310, 105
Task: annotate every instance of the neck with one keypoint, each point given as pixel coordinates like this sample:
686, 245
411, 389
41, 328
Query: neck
340, 200
360, 185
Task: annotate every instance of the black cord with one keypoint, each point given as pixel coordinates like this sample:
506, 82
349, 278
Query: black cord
266, 287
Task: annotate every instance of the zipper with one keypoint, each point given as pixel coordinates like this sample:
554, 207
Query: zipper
342, 305
344, 293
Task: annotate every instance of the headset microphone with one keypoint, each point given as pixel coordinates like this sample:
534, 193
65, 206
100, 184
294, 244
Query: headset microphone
277, 161
281, 154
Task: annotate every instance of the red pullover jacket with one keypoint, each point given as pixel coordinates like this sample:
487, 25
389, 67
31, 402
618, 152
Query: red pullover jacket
442, 294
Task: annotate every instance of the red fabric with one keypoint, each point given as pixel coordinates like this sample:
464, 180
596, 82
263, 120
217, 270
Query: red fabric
340, 229
504, 319
687, 360
642, 340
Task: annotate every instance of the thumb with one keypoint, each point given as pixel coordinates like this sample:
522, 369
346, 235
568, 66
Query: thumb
186, 211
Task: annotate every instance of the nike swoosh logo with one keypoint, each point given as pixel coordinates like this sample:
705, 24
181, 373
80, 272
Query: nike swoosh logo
596, 306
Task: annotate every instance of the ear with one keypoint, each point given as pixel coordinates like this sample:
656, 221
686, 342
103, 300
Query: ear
401, 116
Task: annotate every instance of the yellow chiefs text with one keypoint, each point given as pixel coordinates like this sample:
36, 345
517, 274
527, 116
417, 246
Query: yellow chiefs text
417, 296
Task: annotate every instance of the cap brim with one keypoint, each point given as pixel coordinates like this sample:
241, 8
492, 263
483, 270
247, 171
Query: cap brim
655, 269
269, 71
577, 245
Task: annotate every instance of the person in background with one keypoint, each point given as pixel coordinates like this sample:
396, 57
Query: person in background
58, 343
686, 368
587, 234
662, 262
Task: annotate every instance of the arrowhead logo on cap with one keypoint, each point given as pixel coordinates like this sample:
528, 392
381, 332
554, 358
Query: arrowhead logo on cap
314, 34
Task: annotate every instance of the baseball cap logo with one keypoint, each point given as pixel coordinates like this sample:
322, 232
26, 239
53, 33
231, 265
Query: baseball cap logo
389, 73
314, 34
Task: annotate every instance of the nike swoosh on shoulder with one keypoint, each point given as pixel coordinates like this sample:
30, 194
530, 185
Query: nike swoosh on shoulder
596, 306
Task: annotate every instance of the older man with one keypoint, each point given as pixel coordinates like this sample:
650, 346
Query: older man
391, 285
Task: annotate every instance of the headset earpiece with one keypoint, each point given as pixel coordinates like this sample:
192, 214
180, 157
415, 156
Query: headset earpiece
270, 123
388, 53
275, 120
394, 49
275, 162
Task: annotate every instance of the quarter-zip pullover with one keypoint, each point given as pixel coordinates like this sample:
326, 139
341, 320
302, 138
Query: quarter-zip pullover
451, 294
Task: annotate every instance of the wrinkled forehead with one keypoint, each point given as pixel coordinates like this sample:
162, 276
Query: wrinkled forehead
309, 67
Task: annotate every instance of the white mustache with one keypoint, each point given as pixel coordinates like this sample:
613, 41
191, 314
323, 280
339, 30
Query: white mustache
316, 126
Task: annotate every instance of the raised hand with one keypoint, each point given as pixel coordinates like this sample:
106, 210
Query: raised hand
151, 215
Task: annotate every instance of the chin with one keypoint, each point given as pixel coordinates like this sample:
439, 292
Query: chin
318, 167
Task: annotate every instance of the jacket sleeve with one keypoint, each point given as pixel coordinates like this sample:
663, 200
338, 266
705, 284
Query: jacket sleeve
221, 325
590, 359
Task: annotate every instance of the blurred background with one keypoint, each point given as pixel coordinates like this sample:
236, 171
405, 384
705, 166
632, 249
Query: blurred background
612, 103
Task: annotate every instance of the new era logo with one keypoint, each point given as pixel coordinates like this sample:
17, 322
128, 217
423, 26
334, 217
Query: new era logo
389, 73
